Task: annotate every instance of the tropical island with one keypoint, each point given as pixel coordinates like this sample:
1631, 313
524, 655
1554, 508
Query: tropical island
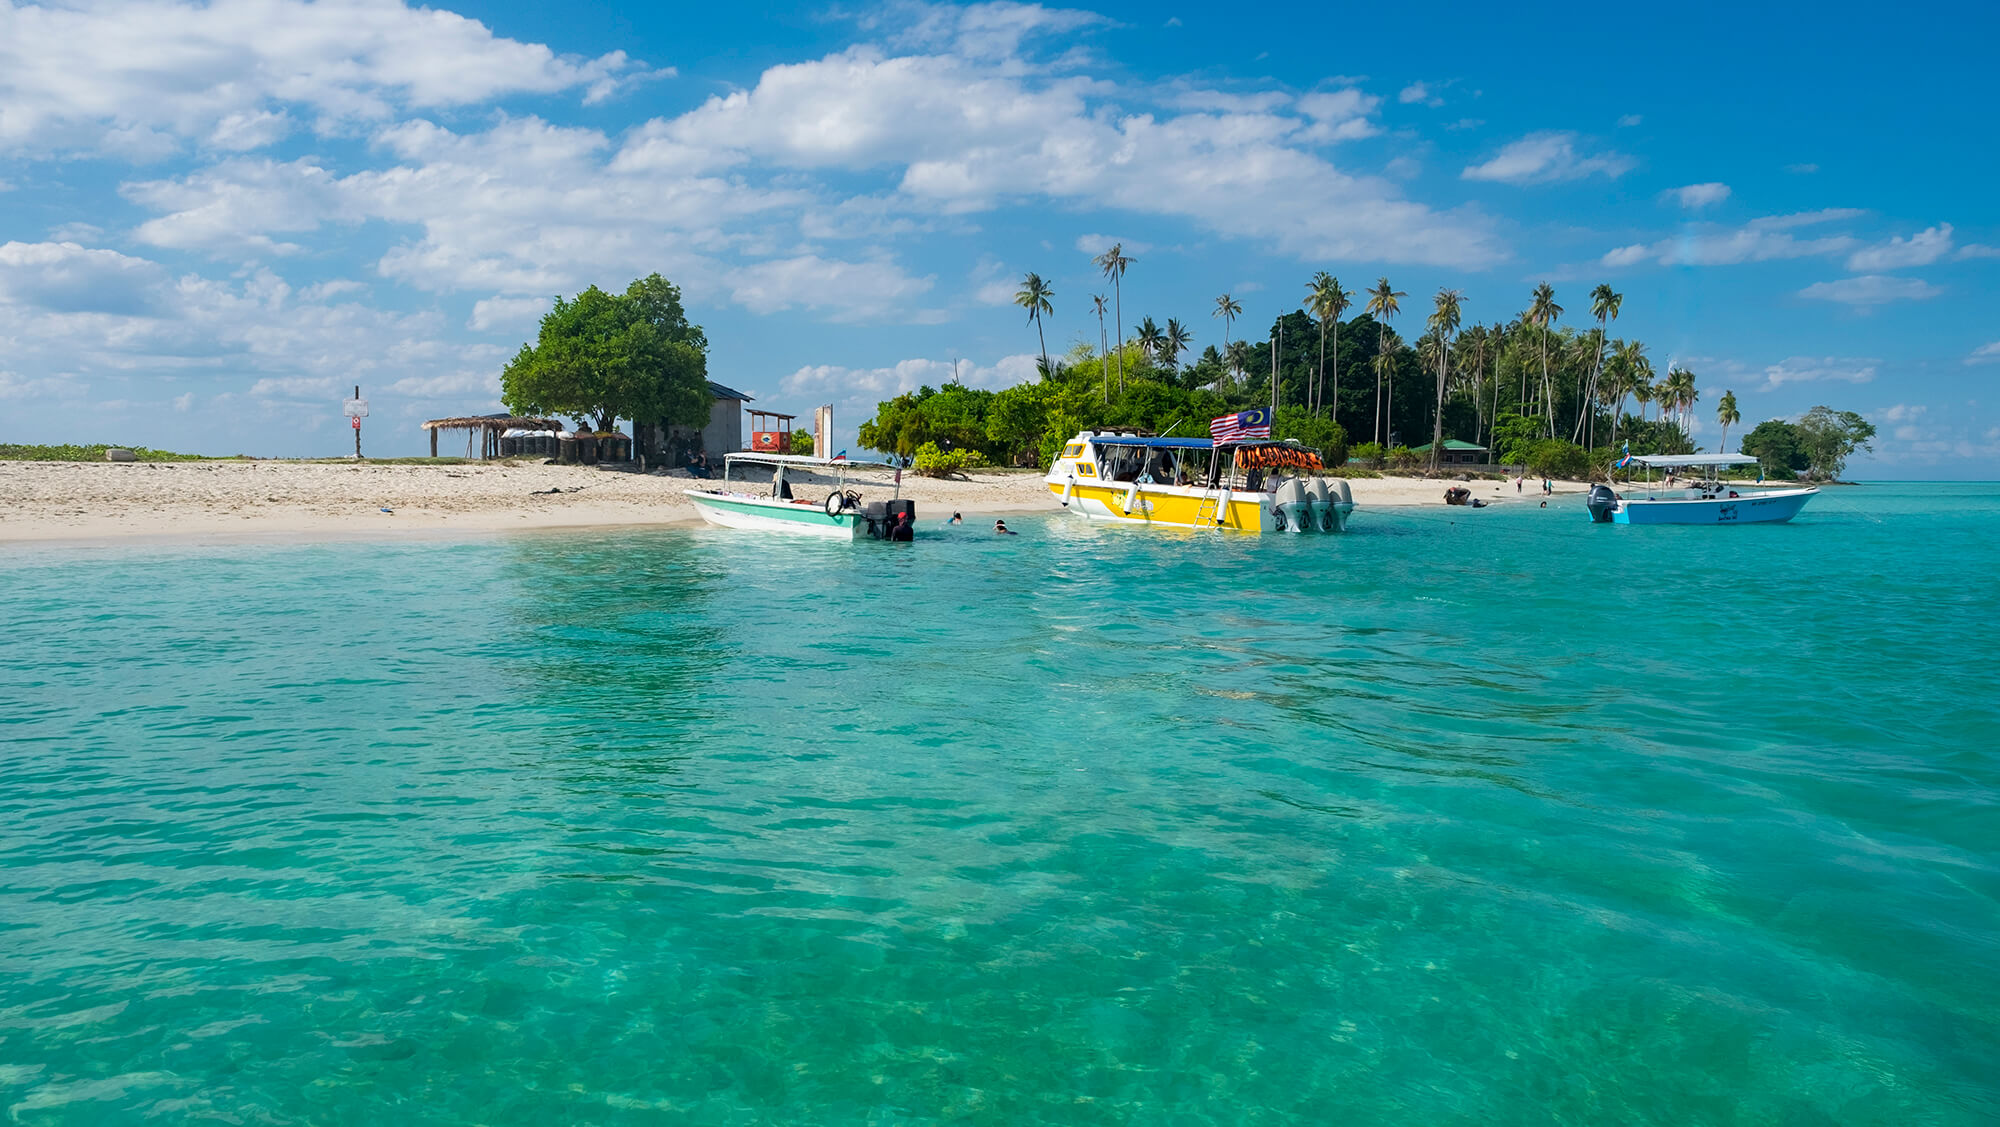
1552, 398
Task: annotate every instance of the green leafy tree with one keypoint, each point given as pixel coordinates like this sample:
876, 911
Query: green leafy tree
602, 357
1777, 446
1314, 430
1829, 437
1016, 419
1726, 414
1604, 305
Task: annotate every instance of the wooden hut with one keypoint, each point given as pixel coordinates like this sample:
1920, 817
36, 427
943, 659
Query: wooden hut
486, 430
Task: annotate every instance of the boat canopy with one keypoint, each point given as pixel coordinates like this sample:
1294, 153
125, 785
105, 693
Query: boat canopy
756, 458
1151, 443
1676, 461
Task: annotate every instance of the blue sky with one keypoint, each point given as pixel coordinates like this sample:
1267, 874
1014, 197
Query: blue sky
215, 219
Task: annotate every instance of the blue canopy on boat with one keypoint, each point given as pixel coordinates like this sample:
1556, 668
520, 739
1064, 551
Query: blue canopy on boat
1156, 443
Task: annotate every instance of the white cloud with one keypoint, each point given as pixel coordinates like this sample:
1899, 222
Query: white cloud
1417, 93
1903, 412
1629, 120
845, 290
1339, 115
1694, 196
144, 75
988, 30
1871, 289
1975, 250
1802, 169
855, 392
1759, 240
68, 278
1808, 369
1920, 249
1985, 354
1541, 158
506, 312
1094, 245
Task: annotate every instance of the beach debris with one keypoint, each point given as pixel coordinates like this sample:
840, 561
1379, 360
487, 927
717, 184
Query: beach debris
119, 454
388, 510
555, 489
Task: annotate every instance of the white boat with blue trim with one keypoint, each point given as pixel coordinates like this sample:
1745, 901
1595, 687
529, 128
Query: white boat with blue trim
1706, 499
774, 506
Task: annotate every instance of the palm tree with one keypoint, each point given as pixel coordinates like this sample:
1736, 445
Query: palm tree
1227, 308
1097, 303
1642, 386
1173, 342
1603, 306
1382, 306
1542, 313
1113, 262
1728, 416
1679, 393
1235, 357
1385, 362
1443, 324
1034, 297
1327, 301
1149, 340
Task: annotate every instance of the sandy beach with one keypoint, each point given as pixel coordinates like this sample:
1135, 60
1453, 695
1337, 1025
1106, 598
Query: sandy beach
88, 501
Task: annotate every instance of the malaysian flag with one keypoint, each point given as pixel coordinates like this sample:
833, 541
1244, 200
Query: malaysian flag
1254, 423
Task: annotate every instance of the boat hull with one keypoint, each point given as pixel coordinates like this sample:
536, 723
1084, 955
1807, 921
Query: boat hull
1172, 506
769, 515
1766, 507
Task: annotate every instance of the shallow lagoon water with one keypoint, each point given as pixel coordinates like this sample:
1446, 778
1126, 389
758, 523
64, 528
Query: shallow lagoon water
1489, 817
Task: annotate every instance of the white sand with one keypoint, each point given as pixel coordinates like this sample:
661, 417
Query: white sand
89, 501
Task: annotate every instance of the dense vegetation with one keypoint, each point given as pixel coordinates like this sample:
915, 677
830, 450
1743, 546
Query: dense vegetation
1555, 398
88, 452
603, 357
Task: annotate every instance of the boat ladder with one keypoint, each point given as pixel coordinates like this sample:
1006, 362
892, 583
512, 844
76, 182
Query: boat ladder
1205, 514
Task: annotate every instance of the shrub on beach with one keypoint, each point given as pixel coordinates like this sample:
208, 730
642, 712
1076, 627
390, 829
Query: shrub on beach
1370, 454
86, 452
933, 462
1403, 458
1553, 457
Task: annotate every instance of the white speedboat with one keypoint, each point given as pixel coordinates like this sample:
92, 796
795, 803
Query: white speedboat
1706, 499
1258, 486
774, 506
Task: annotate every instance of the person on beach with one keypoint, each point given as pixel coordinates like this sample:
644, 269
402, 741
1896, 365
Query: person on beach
1548, 488
1000, 529
1517, 483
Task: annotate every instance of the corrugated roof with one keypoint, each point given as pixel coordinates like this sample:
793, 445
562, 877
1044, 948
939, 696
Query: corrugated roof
721, 392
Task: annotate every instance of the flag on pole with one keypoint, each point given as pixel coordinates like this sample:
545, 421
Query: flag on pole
1625, 448
1254, 423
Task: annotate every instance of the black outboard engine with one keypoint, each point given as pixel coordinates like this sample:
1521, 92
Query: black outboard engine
1600, 502
881, 516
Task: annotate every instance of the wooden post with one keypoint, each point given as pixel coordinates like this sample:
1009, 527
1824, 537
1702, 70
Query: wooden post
434, 442
357, 427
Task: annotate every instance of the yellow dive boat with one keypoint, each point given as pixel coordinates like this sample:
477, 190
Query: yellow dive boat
1255, 486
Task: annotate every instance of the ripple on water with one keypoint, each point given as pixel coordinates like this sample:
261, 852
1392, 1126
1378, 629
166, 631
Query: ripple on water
1508, 818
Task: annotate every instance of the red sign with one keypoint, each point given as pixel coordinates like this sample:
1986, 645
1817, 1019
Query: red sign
767, 441
357, 422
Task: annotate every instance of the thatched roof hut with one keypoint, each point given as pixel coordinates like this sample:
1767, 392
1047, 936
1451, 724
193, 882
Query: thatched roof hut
488, 428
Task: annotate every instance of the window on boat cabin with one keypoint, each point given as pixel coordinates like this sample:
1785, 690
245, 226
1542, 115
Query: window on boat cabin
1073, 450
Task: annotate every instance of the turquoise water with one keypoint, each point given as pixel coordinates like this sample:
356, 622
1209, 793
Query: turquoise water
1481, 818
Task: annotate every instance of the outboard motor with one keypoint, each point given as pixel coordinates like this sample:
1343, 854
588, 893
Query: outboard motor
1342, 496
1319, 505
1600, 502
1289, 500
881, 516
876, 514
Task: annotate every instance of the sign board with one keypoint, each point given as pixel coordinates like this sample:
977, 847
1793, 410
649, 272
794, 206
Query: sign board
767, 441
357, 422
354, 408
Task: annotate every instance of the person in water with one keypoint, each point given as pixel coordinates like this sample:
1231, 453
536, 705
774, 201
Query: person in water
956, 519
904, 529
1000, 529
